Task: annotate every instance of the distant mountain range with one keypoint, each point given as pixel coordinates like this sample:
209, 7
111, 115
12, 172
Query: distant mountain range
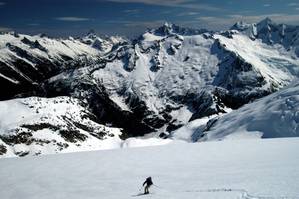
154, 85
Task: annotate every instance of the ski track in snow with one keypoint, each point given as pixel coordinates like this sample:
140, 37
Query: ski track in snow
244, 194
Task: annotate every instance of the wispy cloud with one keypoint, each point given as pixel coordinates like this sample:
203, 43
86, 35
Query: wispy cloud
293, 4
155, 2
132, 11
5, 29
33, 24
188, 14
2, 3
191, 4
142, 24
267, 5
72, 19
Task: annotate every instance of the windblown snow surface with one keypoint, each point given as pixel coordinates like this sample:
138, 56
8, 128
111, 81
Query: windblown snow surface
243, 169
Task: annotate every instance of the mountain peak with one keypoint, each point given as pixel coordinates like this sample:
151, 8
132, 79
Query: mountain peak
266, 22
170, 28
166, 29
240, 25
91, 32
168, 24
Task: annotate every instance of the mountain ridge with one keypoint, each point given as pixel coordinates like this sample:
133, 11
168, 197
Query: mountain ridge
157, 83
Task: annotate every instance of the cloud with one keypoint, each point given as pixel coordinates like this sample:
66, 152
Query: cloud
33, 24
267, 5
132, 11
191, 4
2, 3
154, 2
188, 14
142, 24
293, 4
5, 29
72, 19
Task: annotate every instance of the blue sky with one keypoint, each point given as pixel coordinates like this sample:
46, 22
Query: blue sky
131, 17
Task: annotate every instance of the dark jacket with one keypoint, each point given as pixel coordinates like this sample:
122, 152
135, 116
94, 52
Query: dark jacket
148, 181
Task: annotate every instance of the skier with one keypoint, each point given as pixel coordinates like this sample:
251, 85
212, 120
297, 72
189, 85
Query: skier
148, 182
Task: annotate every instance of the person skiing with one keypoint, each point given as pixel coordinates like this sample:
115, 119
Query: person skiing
148, 182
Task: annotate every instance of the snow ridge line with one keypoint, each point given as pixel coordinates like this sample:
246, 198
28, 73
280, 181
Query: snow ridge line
245, 194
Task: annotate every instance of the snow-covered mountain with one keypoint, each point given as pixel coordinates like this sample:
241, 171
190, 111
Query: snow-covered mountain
26, 61
276, 115
159, 82
103, 44
171, 75
273, 116
272, 33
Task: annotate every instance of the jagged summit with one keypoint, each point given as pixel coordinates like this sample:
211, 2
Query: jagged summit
91, 32
92, 35
271, 32
103, 43
166, 29
266, 22
240, 25
169, 28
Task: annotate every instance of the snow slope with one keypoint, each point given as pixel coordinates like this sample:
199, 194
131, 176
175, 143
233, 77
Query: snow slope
276, 115
251, 169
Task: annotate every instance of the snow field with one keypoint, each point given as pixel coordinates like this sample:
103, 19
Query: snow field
225, 170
